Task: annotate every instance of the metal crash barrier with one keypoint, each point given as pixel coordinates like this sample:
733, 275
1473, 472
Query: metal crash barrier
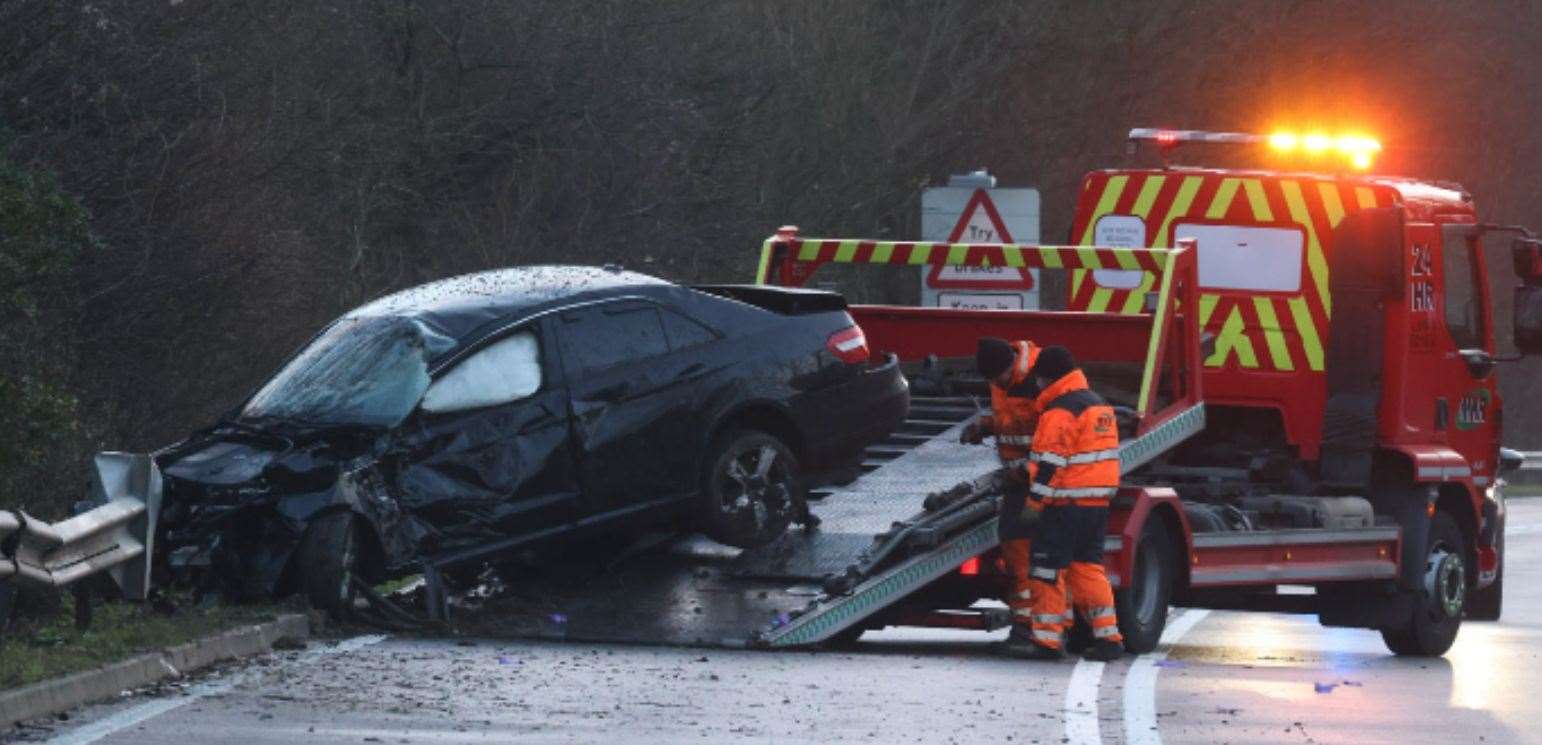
115, 535
1527, 469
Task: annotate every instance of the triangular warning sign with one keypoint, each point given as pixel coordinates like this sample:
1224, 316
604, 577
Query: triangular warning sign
979, 222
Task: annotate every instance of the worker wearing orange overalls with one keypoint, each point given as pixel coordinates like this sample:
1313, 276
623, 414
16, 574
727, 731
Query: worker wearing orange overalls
1073, 470
1014, 415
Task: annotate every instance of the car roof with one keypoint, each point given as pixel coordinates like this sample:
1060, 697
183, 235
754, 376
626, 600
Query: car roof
458, 306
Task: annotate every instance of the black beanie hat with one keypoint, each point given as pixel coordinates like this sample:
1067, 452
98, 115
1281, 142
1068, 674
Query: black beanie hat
1053, 364
993, 356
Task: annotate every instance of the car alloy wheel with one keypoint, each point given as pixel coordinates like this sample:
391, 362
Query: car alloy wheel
751, 489
758, 484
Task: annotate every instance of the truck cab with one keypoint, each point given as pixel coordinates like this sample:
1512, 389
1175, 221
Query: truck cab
1352, 311
1352, 327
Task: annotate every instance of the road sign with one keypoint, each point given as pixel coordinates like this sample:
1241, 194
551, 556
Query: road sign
979, 222
980, 300
969, 209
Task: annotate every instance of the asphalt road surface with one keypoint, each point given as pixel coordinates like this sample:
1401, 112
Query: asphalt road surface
1220, 678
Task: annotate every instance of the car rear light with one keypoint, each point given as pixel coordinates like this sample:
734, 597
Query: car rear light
970, 567
849, 345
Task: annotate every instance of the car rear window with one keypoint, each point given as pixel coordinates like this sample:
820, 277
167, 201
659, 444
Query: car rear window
685, 332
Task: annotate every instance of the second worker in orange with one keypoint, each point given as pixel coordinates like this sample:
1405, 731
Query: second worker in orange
1073, 471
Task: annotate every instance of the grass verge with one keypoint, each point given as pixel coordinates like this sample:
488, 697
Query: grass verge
39, 649
1523, 490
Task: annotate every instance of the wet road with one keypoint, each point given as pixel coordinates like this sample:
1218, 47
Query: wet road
1256, 678
1223, 678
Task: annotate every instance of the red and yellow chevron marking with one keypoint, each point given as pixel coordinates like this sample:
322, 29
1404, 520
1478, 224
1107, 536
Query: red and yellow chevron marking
920, 253
1265, 331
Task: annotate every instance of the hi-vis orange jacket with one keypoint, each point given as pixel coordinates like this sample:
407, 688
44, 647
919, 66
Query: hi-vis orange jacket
1075, 453
1014, 410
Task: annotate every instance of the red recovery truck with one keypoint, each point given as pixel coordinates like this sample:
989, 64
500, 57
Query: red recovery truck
1305, 367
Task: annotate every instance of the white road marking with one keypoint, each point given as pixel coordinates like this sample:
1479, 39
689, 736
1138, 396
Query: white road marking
151, 709
1140, 724
1081, 704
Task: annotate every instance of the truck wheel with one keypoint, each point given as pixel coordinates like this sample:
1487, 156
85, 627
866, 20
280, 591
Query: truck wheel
328, 555
1142, 602
752, 489
1438, 606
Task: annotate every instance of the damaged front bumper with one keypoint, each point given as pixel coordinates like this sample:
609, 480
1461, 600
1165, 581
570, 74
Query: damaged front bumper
241, 542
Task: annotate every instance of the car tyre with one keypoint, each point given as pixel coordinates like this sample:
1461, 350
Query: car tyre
329, 556
752, 489
1142, 603
1439, 603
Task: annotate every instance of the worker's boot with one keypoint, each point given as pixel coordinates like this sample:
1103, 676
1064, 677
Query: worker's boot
1020, 644
1104, 650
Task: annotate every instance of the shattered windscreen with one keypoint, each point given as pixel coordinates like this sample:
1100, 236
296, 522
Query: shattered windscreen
367, 371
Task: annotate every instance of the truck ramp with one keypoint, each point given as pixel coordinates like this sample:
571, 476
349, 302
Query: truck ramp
874, 546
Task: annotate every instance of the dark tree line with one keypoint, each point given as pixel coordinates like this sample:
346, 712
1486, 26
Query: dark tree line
230, 175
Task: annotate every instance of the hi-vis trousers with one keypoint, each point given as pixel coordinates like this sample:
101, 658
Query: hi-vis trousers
1067, 559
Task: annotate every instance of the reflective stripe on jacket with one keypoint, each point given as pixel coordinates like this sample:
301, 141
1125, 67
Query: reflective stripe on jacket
1075, 456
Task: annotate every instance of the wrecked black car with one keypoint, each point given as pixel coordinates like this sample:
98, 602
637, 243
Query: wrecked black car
540, 401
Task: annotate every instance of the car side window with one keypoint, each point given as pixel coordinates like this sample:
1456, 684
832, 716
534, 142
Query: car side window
506, 370
685, 332
604, 336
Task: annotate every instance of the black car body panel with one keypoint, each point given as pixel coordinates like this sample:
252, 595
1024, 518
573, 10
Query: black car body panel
632, 377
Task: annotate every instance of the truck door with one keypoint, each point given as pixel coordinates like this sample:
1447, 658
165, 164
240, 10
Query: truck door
1466, 366
1424, 411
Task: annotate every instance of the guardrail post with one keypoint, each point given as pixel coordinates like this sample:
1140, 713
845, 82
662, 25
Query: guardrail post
82, 594
7, 594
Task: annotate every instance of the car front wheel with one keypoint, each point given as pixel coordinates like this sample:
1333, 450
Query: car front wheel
752, 489
329, 556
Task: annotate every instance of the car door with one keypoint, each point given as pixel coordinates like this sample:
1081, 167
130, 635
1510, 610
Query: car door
633, 417
488, 452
